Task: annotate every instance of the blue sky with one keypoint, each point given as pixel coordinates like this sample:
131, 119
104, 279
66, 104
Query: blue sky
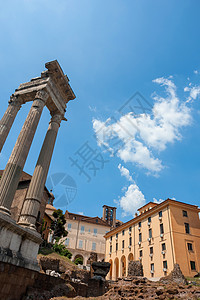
110, 50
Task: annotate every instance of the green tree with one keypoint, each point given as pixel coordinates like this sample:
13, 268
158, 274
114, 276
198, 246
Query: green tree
78, 261
62, 250
58, 225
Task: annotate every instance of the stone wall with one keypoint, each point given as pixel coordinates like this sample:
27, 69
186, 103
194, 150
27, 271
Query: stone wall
14, 281
135, 268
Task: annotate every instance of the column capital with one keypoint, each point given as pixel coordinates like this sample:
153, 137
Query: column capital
56, 117
42, 95
15, 101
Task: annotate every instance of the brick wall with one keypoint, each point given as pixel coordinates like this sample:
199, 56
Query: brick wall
15, 280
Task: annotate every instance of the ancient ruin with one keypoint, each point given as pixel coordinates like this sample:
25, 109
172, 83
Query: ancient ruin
19, 242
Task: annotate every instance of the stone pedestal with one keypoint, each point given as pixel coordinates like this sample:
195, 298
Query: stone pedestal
18, 246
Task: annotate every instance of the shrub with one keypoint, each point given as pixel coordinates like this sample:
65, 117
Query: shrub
62, 250
78, 261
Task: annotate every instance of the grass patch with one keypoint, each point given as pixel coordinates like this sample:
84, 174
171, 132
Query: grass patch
45, 251
197, 280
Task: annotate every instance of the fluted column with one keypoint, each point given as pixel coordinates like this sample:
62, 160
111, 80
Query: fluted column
8, 119
34, 195
14, 167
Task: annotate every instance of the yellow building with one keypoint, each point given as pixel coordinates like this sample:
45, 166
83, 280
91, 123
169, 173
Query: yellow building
159, 236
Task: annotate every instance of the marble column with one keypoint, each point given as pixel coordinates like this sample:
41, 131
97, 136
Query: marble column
15, 165
34, 195
8, 119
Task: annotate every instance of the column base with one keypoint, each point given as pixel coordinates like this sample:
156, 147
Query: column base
18, 245
27, 225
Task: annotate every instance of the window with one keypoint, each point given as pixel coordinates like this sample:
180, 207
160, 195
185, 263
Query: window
163, 247
130, 241
160, 214
82, 229
111, 238
89, 230
130, 229
95, 231
187, 228
110, 248
116, 235
189, 245
93, 246
69, 227
140, 237
152, 267
122, 232
80, 244
192, 265
140, 253
165, 264
67, 242
151, 250
149, 219
123, 244
97, 220
161, 228
139, 224
185, 213
150, 233
116, 246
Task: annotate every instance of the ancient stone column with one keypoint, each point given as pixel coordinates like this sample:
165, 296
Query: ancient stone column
14, 167
8, 119
34, 195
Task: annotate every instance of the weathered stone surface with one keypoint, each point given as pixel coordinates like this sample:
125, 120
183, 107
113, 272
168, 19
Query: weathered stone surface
175, 276
135, 268
47, 263
101, 268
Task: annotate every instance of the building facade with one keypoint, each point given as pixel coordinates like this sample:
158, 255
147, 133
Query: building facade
85, 236
159, 236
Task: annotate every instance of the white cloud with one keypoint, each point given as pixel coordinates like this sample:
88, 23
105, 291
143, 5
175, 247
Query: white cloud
132, 200
157, 201
125, 172
93, 109
80, 213
196, 72
142, 135
194, 92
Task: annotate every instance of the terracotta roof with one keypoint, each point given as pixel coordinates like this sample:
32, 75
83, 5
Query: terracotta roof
94, 220
27, 177
51, 207
49, 216
152, 204
24, 177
